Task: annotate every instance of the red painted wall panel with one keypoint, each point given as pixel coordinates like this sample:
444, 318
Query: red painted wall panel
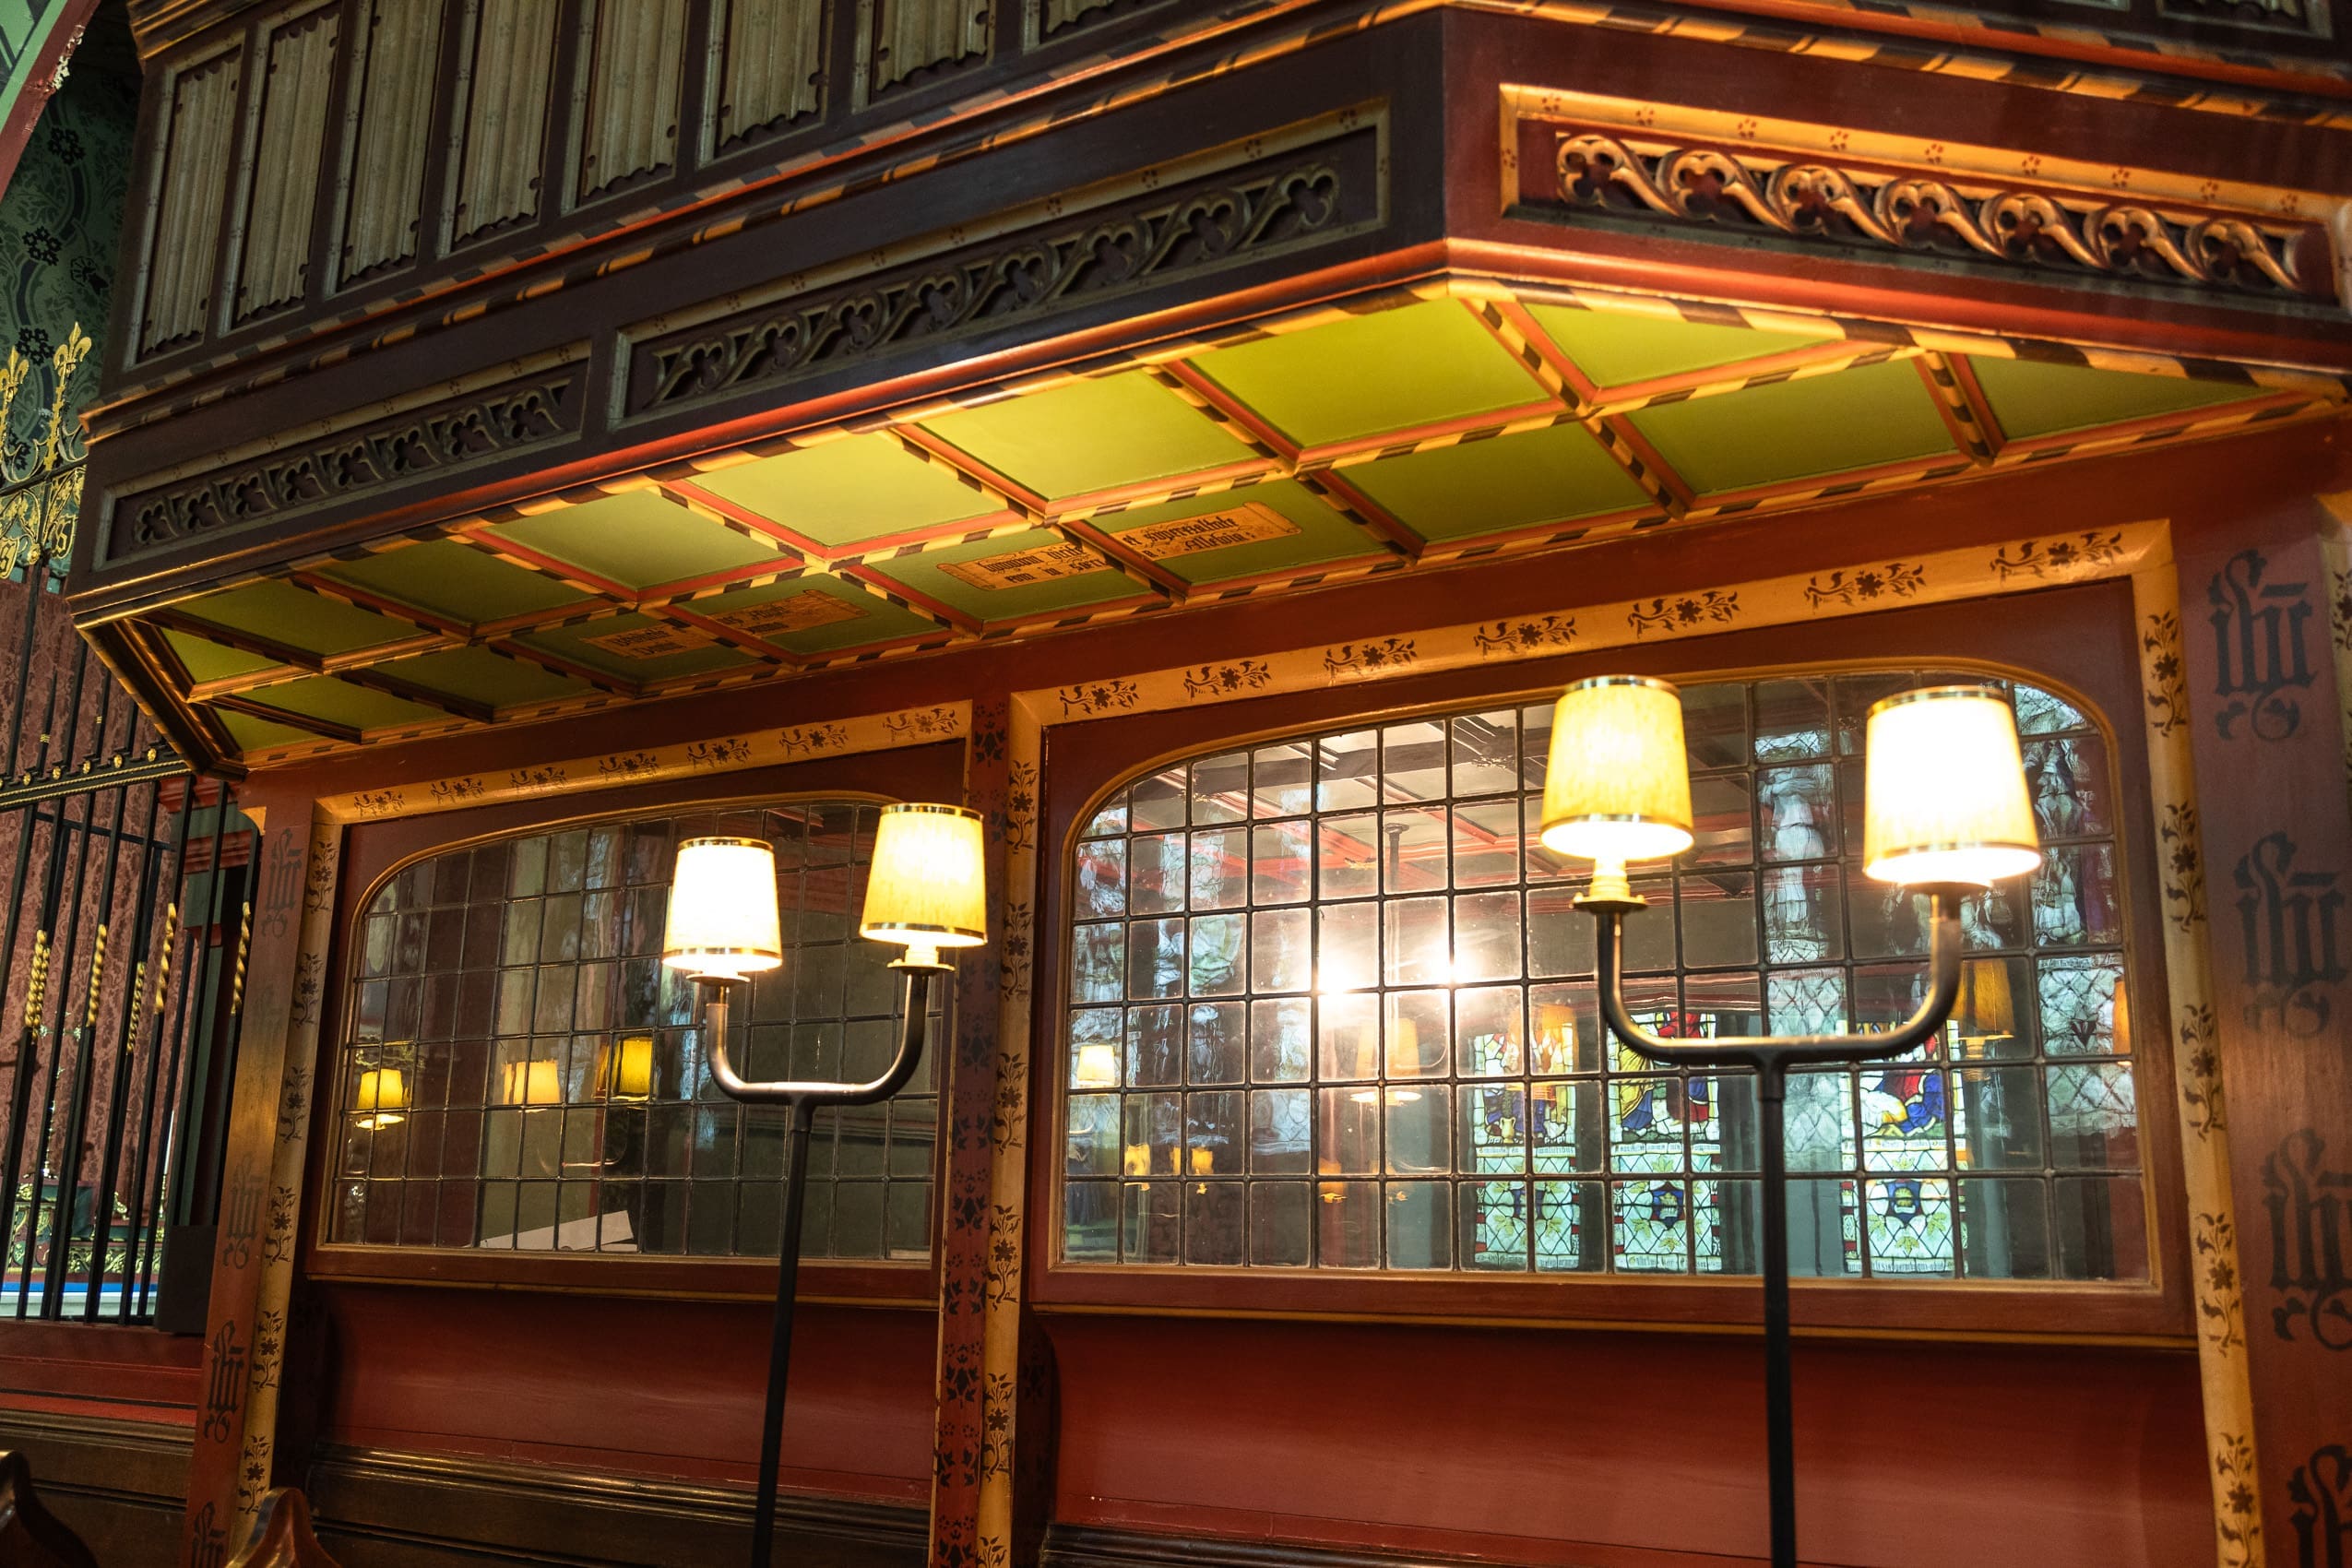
1601, 1449
651, 1387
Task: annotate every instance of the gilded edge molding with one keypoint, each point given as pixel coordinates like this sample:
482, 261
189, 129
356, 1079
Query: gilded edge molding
1141, 231
1575, 153
344, 461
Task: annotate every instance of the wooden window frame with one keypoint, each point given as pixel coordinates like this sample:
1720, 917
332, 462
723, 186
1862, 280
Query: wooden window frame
2076, 642
375, 852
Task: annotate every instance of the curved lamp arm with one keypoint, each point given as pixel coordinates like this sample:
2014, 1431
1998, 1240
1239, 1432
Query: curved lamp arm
1753, 1051
901, 1070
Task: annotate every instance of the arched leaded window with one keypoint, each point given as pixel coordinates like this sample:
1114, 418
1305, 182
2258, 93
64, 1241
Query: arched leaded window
1330, 1006
520, 1073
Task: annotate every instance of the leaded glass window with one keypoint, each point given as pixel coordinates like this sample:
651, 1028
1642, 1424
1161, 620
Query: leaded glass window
1329, 1005
521, 1072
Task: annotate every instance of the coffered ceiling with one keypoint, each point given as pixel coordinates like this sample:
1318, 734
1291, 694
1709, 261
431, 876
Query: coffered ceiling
1390, 437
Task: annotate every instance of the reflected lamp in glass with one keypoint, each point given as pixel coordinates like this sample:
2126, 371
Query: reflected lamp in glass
381, 1097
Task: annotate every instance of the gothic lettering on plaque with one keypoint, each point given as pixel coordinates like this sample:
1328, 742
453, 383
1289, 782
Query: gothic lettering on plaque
2287, 920
2259, 658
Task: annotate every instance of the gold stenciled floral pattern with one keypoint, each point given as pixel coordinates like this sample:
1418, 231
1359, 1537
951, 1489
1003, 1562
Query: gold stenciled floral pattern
44, 495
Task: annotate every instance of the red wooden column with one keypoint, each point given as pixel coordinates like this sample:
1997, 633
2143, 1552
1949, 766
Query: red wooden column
2270, 739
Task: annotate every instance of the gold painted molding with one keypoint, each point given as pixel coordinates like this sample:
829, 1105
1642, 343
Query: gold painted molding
647, 765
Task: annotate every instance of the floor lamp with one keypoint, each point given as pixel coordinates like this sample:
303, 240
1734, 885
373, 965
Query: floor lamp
925, 890
1945, 813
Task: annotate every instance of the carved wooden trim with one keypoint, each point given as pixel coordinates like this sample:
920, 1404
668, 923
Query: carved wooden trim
1709, 172
281, 1535
1311, 196
381, 1495
433, 440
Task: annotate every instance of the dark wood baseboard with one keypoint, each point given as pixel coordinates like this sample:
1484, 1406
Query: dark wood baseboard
378, 1508
119, 1485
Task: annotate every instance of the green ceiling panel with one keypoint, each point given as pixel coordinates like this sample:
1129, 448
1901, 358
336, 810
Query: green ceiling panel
339, 702
1616, 349
253, 734
285, 613
637, 647
637, 539
1823, 424
2031, 398
1385, 371
1319, 532
1511, 482
454, 581
208, 661
841, 614
479, 675
929, 575
1090, 435
843, 493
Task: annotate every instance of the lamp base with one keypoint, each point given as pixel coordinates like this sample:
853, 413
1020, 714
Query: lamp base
1610, 892
921, 957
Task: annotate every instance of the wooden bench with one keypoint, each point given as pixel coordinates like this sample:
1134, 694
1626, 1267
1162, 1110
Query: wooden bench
281, 1536
30, 1536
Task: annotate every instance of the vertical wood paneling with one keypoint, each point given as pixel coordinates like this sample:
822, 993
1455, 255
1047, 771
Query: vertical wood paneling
193, 186
630, 126
402, 56
768, 72
506, 102
300, 79
914, 34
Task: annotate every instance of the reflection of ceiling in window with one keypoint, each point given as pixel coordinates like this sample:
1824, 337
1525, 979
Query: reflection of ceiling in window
1365, 443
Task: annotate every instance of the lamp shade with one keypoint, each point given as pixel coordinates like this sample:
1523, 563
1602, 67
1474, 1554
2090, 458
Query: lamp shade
381, 1093
1944, 800
928, 885
722, 908
1619, 784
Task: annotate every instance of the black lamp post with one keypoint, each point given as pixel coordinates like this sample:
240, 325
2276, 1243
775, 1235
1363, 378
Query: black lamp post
1946, 813
925, 890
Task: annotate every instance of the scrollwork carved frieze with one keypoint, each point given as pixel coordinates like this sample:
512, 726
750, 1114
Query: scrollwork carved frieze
2095, 234
1315, 194
434, 440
